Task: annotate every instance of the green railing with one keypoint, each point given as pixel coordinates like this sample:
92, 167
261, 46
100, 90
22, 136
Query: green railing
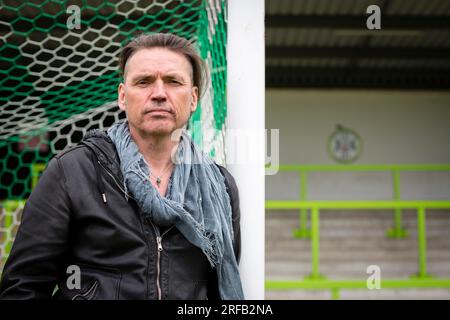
317, 281
303, 171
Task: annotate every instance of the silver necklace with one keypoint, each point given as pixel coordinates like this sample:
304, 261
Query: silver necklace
158, 178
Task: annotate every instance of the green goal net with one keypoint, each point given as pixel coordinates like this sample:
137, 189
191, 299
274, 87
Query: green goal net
59, 78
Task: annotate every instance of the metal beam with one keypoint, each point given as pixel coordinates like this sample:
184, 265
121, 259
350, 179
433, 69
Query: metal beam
359, 52
341, 77
397, 22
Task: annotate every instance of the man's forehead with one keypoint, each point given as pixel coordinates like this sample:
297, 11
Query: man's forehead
151, 60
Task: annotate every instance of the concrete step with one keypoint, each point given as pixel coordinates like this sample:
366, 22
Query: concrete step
283, 228
351, 270
335, 257
359, 216
355, 233
349, 243
365, 247
337, 221
362, 212
361, 294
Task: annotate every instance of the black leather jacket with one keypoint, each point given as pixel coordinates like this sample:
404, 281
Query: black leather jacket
121, 254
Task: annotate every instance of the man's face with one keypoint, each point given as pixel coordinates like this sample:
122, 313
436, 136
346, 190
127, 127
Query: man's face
157, 94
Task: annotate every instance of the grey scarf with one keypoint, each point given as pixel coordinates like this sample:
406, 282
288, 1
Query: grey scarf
197, 203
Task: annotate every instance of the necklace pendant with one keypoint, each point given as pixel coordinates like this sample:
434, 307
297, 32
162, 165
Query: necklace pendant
158, 181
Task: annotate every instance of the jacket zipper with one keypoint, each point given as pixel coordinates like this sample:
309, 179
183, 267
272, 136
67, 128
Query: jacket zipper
158, 267
158, 258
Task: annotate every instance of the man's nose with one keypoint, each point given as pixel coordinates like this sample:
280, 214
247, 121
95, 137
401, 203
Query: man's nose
158, 91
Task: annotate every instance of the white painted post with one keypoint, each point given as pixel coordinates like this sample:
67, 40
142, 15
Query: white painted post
246, 114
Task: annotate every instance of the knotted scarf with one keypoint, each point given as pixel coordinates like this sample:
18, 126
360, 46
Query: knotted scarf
197, 202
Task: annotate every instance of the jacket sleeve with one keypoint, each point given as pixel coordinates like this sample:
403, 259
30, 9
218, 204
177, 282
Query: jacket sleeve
37, 255
233, 193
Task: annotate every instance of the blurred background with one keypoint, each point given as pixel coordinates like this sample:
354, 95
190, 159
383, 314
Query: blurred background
364, 122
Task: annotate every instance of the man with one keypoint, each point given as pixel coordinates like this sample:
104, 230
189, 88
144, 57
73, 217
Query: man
138, 210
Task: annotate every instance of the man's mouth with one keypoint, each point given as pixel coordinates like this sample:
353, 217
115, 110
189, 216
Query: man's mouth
159, 111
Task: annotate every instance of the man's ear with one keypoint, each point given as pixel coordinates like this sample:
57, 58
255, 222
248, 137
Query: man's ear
194, 99
121, 97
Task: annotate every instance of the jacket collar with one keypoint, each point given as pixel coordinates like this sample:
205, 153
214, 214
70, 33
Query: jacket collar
104, 149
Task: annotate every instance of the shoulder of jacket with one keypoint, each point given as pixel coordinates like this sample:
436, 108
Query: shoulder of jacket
94, 134
72, 152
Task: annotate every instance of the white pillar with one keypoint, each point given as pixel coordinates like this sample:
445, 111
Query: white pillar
245, 100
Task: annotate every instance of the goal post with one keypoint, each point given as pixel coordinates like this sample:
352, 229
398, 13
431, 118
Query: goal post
245, 120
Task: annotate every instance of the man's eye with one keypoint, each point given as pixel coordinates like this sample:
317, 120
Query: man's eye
174, 81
